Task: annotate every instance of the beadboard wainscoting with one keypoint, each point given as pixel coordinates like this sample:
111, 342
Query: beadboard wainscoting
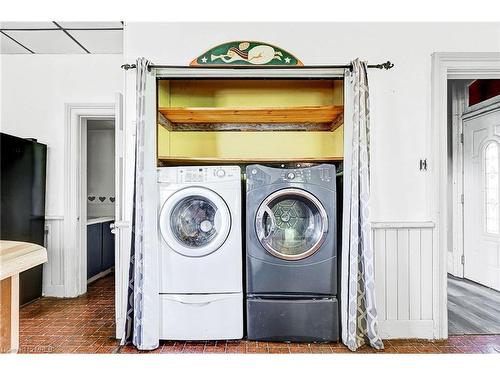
53, 270
405, 275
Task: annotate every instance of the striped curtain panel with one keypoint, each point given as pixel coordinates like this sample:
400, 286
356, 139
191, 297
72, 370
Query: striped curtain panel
358, 310
141, 321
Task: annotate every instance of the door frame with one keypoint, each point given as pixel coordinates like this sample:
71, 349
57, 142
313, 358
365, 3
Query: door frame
444, 66
75, 252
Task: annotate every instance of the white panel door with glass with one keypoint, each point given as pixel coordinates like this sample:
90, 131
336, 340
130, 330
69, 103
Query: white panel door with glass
482, 196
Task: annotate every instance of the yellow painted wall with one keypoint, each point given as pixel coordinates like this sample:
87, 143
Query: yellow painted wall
248, 144
250, 93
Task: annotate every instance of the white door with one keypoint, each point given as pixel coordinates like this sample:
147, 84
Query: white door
121, 277
482, 196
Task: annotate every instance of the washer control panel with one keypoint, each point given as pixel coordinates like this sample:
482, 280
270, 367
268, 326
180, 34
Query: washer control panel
195, 175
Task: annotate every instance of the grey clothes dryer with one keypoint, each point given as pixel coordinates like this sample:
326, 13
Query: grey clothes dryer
291, 254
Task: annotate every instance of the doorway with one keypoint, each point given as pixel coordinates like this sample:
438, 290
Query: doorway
97, 182
474, 207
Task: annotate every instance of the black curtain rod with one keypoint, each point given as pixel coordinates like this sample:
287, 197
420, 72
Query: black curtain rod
387, 65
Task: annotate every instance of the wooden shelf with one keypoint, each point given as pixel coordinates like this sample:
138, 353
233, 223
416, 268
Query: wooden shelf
209, 115
252, 118
176, 160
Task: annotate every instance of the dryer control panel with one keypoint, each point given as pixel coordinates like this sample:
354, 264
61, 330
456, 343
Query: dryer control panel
259, 175
194, 175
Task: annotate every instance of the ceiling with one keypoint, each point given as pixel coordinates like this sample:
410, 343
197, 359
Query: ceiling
60, 37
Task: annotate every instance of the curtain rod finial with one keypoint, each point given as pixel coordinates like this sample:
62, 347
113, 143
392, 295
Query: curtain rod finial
387, 65
128, 66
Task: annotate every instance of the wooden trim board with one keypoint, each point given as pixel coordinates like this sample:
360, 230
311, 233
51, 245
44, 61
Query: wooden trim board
177, 160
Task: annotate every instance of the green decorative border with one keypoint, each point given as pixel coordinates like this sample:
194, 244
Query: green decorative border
246, 53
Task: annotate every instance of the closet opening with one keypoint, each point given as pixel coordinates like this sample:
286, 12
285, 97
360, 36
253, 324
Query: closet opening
292, 124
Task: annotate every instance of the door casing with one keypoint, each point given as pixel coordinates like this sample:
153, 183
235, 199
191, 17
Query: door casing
75, 240
444, 66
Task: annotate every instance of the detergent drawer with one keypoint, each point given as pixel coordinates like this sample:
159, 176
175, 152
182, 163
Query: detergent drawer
201, 316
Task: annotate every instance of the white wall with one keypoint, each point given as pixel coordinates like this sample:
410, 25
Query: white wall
34, 90
400, 98
400, 117
100, 168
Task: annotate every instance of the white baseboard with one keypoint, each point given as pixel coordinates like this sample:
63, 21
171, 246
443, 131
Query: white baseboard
404, 329
120, 328
100, 275
54, 291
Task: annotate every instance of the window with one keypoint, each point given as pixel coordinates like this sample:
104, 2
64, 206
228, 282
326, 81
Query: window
491, 188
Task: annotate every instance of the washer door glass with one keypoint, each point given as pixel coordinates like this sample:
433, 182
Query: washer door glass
193, 221
291, 224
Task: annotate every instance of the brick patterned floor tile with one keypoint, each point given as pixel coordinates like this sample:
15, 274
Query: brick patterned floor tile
65, 349
215, 349
193, 349
300, 349
388, 350
406, 349
429, 349
258, 350
172, 349
340, 349
279, 350
449, 349
277, 345
104, 350
319, 348
86, 325
257, 345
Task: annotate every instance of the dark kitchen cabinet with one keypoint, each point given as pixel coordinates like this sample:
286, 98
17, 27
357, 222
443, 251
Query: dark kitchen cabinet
100, 248
94, 249
108, 246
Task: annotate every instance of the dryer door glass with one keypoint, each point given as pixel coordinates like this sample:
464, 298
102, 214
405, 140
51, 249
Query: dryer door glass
193, 221
291, 224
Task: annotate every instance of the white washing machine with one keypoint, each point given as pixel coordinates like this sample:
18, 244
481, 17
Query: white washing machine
201, 293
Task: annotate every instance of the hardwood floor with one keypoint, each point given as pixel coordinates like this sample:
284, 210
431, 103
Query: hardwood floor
472, 308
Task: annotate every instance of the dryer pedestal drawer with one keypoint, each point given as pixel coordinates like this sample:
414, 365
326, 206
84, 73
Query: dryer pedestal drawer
296, 320
201, 316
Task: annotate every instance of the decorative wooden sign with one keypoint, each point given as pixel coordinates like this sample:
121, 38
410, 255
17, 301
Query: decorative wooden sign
240, 53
